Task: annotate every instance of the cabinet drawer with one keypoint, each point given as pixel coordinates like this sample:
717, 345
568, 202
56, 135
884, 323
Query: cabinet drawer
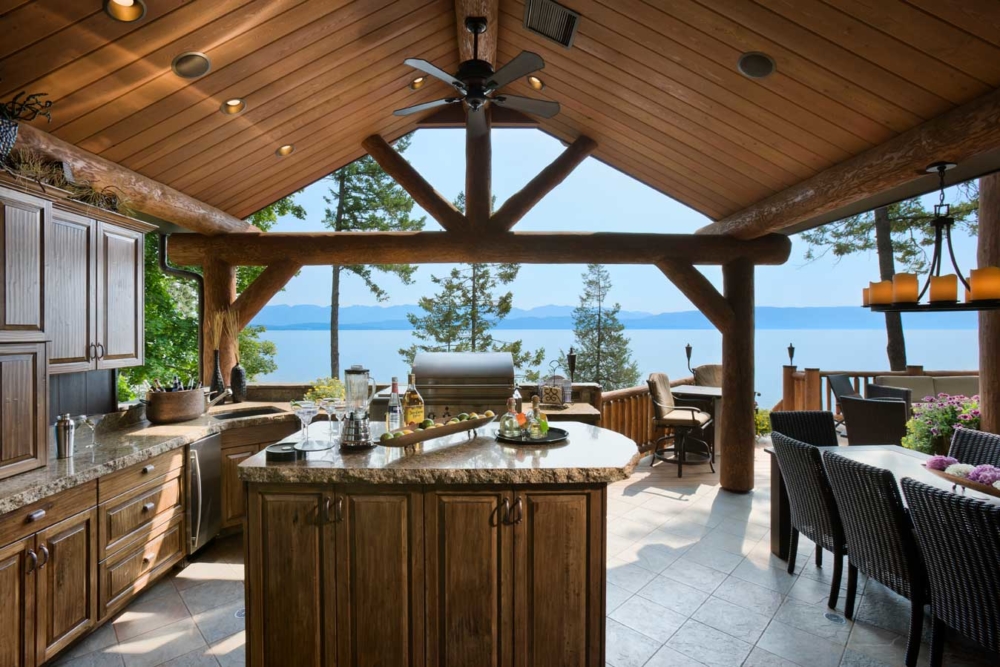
132, 569
46, 512
127, 479
135, 515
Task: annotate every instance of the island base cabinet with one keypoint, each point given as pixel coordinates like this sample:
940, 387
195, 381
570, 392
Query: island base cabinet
17, 603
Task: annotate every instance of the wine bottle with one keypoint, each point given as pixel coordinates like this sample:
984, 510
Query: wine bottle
394, 413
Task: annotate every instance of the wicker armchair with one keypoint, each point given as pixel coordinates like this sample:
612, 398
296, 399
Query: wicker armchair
872, 422
880, 539
841, 386
813, 427
975, 447
883, 392
813, 507
683, 425
960, 541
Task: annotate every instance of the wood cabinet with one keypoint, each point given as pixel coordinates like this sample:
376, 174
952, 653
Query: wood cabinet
120, 338
238, 445
18, 562
23, 223
23, 406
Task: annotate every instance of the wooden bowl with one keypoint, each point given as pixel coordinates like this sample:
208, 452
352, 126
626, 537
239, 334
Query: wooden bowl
170, 407
969, 484
421, 435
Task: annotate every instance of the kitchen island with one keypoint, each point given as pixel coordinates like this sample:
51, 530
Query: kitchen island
460, 551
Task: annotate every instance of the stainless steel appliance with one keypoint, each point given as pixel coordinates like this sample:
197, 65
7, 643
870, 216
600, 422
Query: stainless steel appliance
204, 490
360, 390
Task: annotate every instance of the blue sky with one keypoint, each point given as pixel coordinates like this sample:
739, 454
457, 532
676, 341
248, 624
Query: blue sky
595, 197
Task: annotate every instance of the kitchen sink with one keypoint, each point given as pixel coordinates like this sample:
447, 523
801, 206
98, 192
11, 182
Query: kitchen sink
249, 412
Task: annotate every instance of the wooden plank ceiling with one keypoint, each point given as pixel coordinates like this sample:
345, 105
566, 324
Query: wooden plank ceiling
653, 81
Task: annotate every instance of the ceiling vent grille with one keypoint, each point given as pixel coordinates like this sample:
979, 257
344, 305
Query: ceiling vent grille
551, 20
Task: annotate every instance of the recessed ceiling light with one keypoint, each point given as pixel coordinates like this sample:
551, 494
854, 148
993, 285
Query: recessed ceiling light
756, 65
191, 65
125, 11
285, 150
418, 83
233, 106
535, 82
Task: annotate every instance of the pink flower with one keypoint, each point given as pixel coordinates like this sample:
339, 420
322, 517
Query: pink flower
939, 462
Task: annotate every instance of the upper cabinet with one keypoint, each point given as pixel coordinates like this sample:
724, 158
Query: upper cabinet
119, 297
23, 222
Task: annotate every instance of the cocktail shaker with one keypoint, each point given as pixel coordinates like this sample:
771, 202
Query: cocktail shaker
65, 436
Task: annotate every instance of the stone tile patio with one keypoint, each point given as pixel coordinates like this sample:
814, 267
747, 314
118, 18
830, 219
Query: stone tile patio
691, 582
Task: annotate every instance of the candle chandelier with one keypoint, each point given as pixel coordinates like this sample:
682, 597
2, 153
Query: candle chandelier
903, 293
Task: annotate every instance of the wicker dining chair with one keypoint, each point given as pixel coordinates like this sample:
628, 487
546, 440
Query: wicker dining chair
883, 392
960, 541
813, 427
874, 422
975, 447
813, 507
880, 539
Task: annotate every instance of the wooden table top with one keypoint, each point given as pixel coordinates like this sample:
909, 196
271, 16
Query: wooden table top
902, 462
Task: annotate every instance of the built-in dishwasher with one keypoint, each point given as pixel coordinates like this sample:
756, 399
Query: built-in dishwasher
204, 491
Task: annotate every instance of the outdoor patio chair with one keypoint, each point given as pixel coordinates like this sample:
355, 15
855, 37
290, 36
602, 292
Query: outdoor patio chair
684, 425
960, 541
975, 447
708, 375
880, 539
841, 386
812, 504
813, 427
879, 392
874, 422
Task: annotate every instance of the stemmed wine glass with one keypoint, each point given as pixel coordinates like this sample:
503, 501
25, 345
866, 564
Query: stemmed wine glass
326, 405
305, 411
339, 407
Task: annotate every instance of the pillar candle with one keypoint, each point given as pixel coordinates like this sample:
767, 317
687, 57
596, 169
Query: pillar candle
944, 288
985, 283
880, 293
905, 288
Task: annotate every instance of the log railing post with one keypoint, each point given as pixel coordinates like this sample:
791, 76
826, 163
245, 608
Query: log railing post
788, 387
989, 320
737, 424
220, 293
814, 391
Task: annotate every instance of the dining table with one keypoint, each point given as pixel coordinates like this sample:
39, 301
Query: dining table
708, 399
901, 462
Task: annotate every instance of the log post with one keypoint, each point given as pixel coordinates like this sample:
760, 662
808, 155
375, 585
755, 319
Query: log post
262, 289
737, 427
989, 320
788, 387
814, 389
696, 287
220, 293
479, 174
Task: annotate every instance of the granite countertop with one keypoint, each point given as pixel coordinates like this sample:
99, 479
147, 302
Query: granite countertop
590, 455
114, 450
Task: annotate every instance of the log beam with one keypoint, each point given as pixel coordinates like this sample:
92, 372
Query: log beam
410, 180
326, 248
262, 289
989, 320
957, 136
488, 40
144, 194
737, 427
696, 287
522, 201
479, 174
219, 295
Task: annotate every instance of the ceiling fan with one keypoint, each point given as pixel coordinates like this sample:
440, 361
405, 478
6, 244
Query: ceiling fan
478, 83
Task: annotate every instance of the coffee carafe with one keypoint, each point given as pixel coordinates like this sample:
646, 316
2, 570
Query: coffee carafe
360, 390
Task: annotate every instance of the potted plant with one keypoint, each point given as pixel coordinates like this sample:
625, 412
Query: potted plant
20, 109
935, 420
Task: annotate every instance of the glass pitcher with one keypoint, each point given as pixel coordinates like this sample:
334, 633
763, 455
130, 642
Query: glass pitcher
360, 390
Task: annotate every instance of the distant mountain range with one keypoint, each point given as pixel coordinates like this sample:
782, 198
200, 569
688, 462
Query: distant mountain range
312, 318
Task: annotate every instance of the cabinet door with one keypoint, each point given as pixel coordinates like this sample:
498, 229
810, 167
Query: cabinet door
559, 577
17, 604
23, 405
22, 263
67, 583
290, 576
469, 582
380, 585
71, 293
120, 297
233, 498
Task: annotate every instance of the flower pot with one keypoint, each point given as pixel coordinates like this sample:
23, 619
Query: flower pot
8, 135
218, 382
238, 383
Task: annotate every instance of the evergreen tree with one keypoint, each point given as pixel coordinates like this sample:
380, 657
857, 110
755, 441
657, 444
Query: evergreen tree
462, 315
366, 199
602, 348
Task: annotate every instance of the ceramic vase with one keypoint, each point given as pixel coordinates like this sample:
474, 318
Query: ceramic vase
218, 382
238, 383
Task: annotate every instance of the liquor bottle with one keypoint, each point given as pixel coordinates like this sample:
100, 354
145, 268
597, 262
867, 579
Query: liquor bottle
394, 413
534, 423
413, 403
510, 427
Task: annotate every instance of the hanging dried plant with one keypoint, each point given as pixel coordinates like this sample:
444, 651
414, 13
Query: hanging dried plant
231, 327
214, 326
26, 108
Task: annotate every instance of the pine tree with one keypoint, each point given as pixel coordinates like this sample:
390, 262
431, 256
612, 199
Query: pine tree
367, 200
602, 348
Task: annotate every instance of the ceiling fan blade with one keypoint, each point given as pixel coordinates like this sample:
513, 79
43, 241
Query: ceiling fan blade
523, 64
543, 108
426, 105
436, 72
475, 121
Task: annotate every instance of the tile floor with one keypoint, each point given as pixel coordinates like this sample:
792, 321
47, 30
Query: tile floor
691, 582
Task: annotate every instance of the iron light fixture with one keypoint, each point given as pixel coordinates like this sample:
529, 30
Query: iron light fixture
687, 351
126, 11
191, 65
418, 83
233, 106
285, 150
901, 295
535, 82
791, 354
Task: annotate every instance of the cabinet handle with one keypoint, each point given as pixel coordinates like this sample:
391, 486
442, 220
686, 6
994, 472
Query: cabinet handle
100, 347
32, 561
518, 511
146, 559
327, 509
37, 515
339, 515
148, 469
45, 552
146, 507
505, 509
91, 352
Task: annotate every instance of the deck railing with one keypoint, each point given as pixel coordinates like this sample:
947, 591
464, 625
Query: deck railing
630, 412
809, 389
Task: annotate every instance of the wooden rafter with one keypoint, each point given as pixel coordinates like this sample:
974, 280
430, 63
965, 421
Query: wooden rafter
696, 287
260, 291
488, 40
479, 175
325, 248
958, 136
522, 201
144, 194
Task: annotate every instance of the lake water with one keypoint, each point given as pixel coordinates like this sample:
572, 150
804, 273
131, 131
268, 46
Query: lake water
305, 355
